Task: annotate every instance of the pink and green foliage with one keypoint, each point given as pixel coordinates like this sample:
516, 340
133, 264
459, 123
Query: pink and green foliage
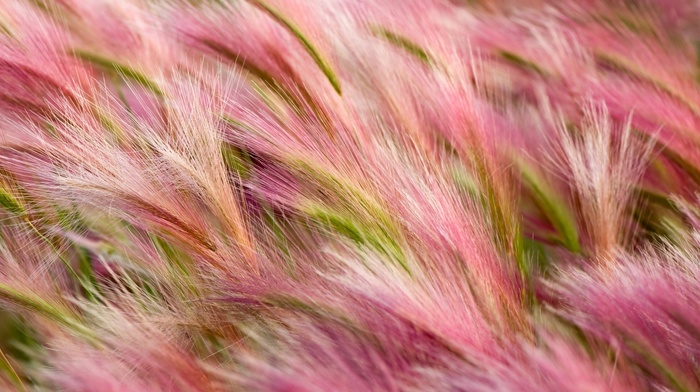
349, 195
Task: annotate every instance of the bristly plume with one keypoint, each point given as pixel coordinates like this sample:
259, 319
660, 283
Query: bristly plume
315, 195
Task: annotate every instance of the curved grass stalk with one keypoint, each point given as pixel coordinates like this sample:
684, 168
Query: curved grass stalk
299, 35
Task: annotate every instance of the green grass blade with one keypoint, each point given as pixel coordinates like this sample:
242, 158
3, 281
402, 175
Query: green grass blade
404, 43
9, 202
110, 65
552, 206
297, 33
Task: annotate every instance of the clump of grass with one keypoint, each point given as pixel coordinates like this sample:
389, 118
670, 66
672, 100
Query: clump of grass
348, 195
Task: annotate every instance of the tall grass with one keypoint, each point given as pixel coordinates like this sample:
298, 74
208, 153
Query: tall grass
349, 195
